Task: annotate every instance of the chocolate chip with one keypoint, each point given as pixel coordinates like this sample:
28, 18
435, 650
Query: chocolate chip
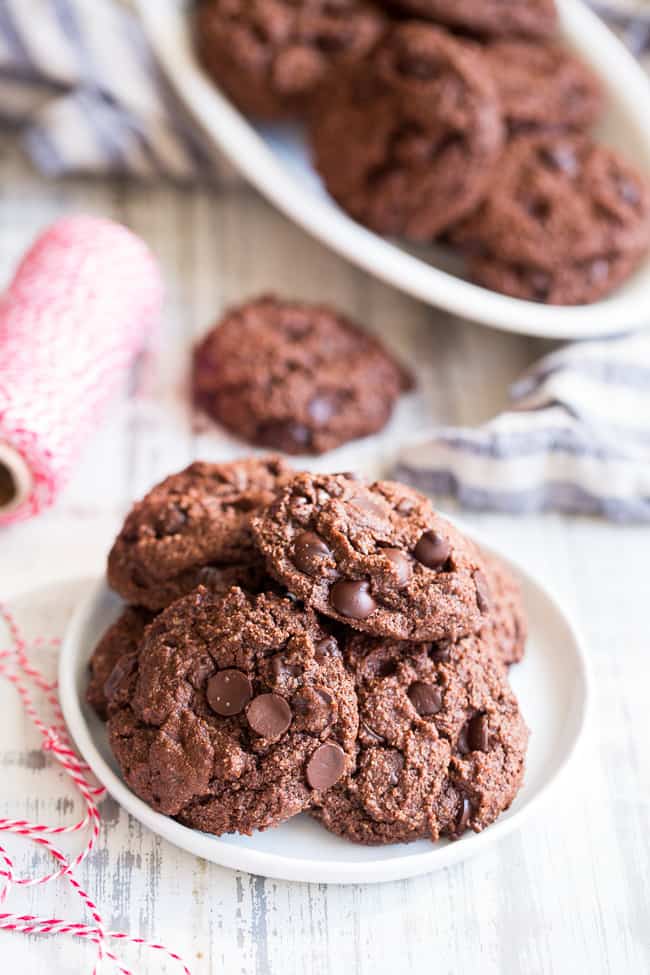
474, 735
322, 408
281, 669
432, 550
328, 647
628, 192
540, 282
599, 271
287, 435
229, 692
309, 553
170, 521
440, 653
414, 67
326, 766
124, 667
561, 157
269, 715
425, 698
483, 596
463, 819
372, 735
401, 564
353, 599
477, 733
405, 506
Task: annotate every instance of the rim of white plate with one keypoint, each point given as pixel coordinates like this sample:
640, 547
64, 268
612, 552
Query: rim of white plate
302, 869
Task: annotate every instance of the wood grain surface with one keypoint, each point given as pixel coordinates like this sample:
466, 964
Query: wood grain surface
568, 895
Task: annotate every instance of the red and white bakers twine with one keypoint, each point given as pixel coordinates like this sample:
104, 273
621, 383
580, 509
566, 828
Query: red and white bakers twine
77, 312
16, 667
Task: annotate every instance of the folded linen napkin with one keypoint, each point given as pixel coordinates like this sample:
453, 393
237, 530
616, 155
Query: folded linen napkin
79, 78
576, 439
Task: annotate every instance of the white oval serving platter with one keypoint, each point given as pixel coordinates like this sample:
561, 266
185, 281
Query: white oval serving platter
275, 159
553, 688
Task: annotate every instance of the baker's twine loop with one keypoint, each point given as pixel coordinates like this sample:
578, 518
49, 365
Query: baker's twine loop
16, 667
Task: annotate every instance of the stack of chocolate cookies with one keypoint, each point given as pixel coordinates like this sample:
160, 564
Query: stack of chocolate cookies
457, 120
310, 642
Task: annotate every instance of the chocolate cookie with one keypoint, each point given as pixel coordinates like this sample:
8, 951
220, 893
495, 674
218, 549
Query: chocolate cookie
565, 221
301, 378
543, 86
271, 56
194, 527
376, 557
121, 639
407, 142
499, 18
506, 626
240, 712
441, 745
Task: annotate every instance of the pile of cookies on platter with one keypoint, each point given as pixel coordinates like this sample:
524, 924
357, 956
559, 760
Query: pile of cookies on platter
465, 121
309, 642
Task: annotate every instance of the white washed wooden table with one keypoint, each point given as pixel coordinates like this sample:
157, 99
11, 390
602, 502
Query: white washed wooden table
568, 895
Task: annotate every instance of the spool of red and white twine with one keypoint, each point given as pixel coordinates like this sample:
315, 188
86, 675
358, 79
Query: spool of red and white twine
77, 312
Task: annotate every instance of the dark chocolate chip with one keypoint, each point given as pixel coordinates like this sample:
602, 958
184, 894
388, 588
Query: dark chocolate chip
124, 667
401, 564
599, 271
628, 192
229, 692
326, 766
432, 550
322, 408
561, 157
440, 653
352, 599
269, 715
170, 521
477, 733
425, 698
309, 553
414, 67
281, 669
328, 647
287, 435
483, 596
463, 818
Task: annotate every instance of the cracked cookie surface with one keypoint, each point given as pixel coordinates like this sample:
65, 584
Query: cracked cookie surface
374, 556
194, 527
238, 714
441, 745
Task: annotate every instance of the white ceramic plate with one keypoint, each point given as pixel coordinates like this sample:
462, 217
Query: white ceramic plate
552, 685
276, 161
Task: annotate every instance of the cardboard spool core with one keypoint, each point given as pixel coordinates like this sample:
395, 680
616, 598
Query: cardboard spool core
15, 479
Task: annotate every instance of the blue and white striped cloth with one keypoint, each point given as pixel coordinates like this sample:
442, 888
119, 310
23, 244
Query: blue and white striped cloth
576, 439
78, 78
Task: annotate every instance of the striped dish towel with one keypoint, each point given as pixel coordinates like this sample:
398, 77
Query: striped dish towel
79, 78
576, 439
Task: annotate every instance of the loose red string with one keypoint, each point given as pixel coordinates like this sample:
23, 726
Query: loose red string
16, 667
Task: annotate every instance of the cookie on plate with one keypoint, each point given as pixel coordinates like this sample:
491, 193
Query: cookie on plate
407, 142
120, 640
543, 86
271, 56
499, 18
441, 745
296, 377
565, 221
376, 557
238, 715
194, 527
